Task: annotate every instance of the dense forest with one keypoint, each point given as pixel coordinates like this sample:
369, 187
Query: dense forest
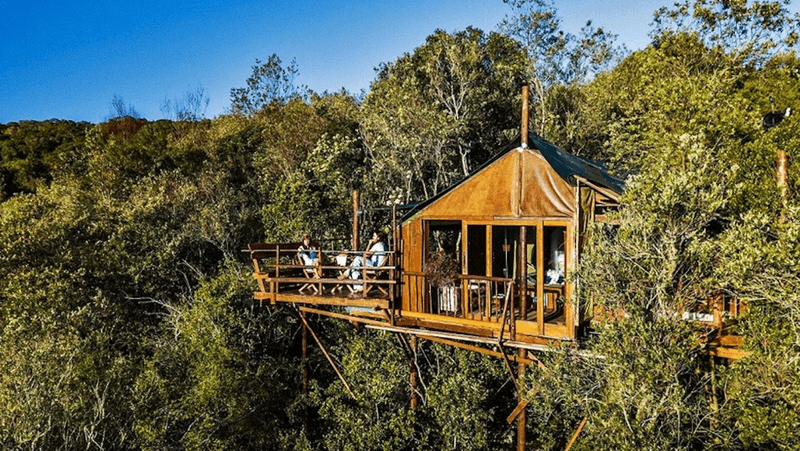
126, 313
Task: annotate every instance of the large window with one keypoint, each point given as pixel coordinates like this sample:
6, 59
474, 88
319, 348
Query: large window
476, 250
554, 256
445, 237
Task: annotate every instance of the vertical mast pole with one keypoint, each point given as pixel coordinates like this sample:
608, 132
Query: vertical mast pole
523, 129
356, 206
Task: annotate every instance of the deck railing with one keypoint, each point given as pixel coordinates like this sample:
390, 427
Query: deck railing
717, 311
478, 298
278, 269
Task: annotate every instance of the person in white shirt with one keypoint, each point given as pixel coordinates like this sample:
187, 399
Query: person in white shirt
309, 254
375, 256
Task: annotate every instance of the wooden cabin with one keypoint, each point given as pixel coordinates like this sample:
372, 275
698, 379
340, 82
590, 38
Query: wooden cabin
488, 259
515, 230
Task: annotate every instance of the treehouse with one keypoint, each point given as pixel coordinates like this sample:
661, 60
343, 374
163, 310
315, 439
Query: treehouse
488, 259
514, 229
486, 265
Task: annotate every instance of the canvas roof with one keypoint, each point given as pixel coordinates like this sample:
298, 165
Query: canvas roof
536, 181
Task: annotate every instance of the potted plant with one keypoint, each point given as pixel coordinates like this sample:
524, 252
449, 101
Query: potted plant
442, 272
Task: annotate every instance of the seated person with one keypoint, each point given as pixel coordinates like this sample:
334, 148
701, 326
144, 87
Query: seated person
555, 276
375, 256
308, 253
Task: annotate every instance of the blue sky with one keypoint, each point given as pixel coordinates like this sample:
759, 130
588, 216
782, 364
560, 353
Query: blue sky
67, 60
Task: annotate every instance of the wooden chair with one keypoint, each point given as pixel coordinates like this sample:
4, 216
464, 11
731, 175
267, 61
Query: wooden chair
341, 261
373, 273
311, 273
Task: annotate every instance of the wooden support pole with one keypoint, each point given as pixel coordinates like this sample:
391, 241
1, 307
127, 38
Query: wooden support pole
394, 261
325, 352
523, 274
395, 235
413, 377
356, 206
522, 418
783, 171
540, 278
305, 377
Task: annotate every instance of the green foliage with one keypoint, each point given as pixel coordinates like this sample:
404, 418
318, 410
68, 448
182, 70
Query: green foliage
557, 63
218, 377
309, 161
467, 396
380, 418
750, 32
434, 115
461, 393
702, 217
33, 153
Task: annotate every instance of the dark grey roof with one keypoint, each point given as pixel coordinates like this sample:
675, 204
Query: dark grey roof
565, 164
568, 165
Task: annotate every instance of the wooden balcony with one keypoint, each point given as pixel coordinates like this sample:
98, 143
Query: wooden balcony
281, 278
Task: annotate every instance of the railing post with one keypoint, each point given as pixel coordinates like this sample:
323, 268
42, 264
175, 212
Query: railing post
465, 298
512, 318
277, 260
392, 287
523, 284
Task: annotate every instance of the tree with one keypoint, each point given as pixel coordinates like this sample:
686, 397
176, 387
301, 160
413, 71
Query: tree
120, 109
34, 153
270, 82
702, 218
751, 32
434, 115
192, 107
556, 57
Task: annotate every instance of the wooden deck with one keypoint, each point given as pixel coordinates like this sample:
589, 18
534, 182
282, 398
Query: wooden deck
327, 291
476, 309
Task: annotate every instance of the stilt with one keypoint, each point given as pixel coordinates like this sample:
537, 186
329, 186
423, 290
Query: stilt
522, 419
305, 378
325, 353
413, 380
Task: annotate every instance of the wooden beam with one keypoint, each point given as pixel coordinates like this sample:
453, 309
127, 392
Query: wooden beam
325, 352
510, 370
517, 410
728, 353
604, 191
342, 316
433, 335
575, 435
478, 349
374, 303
